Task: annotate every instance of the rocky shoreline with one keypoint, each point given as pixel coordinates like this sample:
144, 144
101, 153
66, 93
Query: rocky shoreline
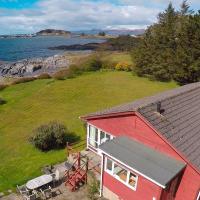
34, 66
78, 47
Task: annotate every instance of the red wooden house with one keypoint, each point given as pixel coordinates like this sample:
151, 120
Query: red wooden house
150, 148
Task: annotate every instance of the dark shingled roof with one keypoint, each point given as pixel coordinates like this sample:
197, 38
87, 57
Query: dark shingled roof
180, 121
149, 162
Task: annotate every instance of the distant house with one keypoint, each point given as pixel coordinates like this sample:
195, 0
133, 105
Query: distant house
150, 148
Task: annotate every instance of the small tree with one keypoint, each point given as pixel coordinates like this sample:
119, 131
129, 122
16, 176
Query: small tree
50, 136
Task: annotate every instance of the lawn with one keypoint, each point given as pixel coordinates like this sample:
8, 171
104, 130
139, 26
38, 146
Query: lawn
34, 103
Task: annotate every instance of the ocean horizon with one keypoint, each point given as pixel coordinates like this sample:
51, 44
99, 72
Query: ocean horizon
15, 49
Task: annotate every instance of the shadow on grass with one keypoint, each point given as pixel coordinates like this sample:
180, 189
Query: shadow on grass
71, 138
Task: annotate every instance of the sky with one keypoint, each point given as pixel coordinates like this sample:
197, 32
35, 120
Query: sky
30, 16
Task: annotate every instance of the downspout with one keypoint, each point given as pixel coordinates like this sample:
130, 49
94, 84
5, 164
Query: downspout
87, 129
102, 170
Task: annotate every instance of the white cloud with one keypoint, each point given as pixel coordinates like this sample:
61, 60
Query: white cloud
76, 15
157, 3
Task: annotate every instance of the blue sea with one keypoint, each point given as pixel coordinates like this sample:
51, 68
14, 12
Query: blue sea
13, 49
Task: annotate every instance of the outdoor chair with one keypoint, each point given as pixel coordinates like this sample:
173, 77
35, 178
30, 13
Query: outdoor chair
56, 178
47, 193
22, 189
56, 192
30, 197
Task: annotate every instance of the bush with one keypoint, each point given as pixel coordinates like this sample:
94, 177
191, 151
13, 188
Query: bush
74, 70
2, 101
23, 80
3, 86
61, 75
53, 135
93, 189
93, 64
123, 66
44, 76
106, 64
71, 72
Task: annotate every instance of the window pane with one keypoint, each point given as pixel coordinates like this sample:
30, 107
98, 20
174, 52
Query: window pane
109, 164
96, 134
120, 172
107, 137
102, 137
93, 136
132, 180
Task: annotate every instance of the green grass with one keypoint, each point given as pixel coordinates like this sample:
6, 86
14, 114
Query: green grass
32, 104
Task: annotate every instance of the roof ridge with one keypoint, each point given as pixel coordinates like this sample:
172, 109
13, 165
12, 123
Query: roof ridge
170, 96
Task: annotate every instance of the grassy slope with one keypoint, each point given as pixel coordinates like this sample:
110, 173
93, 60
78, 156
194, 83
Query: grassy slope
31, 104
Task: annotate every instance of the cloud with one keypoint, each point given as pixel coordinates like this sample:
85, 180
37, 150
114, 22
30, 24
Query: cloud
79, 15
75, 15
158, 3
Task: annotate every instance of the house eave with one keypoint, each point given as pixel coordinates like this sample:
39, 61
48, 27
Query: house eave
118, 114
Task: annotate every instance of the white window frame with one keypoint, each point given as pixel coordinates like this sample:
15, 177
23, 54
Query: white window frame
117, 177
98, 142
198, 197
90, 141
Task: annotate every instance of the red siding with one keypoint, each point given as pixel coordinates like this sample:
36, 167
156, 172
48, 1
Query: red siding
134, 127
146, 190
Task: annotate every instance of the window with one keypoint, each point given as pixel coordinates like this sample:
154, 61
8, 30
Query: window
97, 137
132, 180
109, 165
93, 136
198, 197
102, 137
107, 137
121, 174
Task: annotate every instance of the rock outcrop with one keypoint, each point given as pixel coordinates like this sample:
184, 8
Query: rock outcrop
35, 66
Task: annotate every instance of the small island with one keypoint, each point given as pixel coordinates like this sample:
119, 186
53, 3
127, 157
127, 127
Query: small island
53, 32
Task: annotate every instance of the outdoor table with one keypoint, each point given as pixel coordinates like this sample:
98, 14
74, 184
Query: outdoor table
39, 182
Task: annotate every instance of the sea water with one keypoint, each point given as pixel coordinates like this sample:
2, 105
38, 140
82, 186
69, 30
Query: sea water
14, 49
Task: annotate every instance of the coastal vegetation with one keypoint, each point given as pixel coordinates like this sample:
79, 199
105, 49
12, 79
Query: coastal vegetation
170, 49
32, 104
120, 43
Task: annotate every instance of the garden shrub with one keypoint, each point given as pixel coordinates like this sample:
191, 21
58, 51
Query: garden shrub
23, 80
53, 135
43, 76
123, 66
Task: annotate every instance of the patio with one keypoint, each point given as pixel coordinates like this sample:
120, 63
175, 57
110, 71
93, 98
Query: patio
66, 194
94, 164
